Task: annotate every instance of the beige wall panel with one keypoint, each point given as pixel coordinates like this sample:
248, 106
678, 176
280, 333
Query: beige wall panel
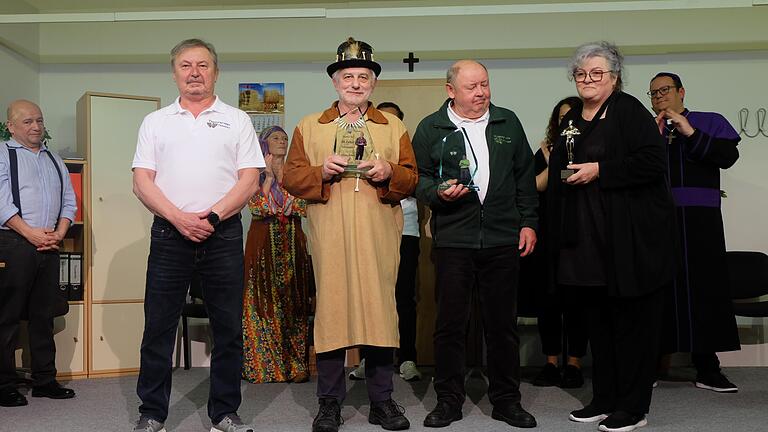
418, 98
120, 223
69, 335
116, 336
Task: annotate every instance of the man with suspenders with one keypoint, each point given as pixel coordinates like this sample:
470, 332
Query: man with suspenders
37, 206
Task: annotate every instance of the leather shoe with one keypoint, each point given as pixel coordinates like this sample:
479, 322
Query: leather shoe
10, 397
389, 415
53, 390
328, 418
514, 415
444, 414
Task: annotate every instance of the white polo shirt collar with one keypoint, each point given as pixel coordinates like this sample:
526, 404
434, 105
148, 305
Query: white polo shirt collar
216, 106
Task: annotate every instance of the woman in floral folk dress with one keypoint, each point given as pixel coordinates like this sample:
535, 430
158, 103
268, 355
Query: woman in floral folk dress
277, 275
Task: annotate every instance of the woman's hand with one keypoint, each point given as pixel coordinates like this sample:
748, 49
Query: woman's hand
585, 173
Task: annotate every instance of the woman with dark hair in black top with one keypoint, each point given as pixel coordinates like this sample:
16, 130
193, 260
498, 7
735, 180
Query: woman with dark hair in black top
553, 311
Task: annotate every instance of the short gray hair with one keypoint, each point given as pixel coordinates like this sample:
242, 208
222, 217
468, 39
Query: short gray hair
450, 76
194, 43
606, 50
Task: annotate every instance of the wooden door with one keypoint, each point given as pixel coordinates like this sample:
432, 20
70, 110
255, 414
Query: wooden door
417, 99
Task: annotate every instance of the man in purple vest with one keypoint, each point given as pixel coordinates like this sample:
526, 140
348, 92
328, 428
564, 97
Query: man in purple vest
699, 316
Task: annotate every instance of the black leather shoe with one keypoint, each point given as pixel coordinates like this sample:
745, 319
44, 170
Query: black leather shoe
389, 415
548, 377
328, 418
53, 390
444, 414
572, 377
10, 397
514, 415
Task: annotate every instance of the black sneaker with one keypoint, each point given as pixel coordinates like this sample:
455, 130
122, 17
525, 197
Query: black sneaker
715, 381
572, 377
588, 414
621, 421
328, 418
389, 415
444, 414
548, 377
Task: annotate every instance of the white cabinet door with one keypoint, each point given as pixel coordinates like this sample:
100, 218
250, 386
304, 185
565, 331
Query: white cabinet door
70, 341
120, 223
116, 337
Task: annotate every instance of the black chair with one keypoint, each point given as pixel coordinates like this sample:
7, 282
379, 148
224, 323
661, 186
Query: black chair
194, 309
749, 279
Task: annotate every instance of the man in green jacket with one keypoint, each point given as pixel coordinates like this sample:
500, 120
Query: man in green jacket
476, 173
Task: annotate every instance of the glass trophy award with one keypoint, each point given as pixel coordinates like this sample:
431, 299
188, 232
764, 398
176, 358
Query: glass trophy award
454, 165
353, 141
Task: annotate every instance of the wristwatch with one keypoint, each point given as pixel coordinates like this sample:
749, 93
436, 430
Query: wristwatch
213, 219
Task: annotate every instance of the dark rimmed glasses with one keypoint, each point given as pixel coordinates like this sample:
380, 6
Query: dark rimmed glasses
581, 75
661, 91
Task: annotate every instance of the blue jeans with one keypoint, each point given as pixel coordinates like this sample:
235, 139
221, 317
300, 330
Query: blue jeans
218, 261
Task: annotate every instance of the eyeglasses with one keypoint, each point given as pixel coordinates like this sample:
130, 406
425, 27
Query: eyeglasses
661, 91
581, 75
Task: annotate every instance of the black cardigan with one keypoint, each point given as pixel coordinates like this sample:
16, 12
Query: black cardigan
640, 257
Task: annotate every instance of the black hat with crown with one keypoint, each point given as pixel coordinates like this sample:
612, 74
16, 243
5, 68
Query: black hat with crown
352, 53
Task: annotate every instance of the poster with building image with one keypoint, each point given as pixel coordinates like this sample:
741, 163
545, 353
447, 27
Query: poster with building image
264, 103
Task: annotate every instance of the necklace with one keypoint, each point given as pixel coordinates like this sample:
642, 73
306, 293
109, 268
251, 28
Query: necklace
350, 126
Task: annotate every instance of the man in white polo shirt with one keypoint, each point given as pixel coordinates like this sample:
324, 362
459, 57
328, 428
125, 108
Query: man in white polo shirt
196, 165
476, 174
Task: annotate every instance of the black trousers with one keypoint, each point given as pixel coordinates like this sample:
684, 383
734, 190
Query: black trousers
405, 296
705, 363
494, 271
559, 313
219, 263
29, 285
624, 334
331, 379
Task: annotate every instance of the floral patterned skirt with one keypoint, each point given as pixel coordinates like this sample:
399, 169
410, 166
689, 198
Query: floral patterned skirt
275, 302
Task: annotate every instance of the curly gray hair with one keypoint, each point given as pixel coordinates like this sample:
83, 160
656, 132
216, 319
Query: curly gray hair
606, 50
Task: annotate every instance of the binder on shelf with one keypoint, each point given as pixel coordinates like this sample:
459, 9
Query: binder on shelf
77, 186
75, 276
64, 276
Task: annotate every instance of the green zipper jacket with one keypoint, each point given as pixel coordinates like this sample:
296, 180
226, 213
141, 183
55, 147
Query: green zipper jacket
511, 200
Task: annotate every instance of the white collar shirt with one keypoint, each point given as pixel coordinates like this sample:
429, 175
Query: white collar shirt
476, 147
197, 159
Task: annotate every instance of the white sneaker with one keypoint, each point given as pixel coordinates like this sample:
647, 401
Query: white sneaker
358, 373
231, 423
146, 424
409, 372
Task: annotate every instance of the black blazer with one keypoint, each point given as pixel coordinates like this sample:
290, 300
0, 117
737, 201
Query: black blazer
640, 218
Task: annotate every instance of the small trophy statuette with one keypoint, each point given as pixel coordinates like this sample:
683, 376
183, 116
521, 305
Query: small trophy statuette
569, 133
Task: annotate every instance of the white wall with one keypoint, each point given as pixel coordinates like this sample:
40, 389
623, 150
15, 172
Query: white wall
20, 79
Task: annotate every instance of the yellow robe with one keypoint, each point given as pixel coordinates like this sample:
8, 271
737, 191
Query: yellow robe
354, 237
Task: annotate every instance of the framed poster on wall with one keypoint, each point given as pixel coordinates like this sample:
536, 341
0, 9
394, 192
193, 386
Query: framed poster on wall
264, 103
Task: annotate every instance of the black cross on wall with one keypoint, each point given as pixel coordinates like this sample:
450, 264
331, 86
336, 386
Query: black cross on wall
411, 60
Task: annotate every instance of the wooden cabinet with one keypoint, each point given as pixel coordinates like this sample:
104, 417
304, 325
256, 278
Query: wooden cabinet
116, 337
114, 235
69, 335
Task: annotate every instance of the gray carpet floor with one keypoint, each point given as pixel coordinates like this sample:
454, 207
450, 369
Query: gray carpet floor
111, 404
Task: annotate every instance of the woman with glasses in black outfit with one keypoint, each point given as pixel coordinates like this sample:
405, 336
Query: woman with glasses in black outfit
610, 234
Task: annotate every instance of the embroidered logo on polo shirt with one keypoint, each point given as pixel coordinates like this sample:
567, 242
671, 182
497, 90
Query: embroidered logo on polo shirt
501, 139
214, 123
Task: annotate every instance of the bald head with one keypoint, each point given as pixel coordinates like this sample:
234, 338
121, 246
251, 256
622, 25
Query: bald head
25, 123
469, 88
455, 68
